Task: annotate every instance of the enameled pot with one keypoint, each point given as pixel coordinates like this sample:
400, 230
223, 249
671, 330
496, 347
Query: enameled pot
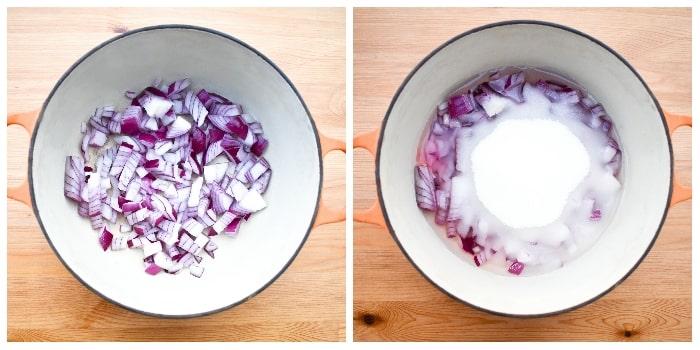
265, 246
648, 186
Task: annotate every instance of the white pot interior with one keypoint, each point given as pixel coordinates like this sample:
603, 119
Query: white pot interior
265, 245
646, 174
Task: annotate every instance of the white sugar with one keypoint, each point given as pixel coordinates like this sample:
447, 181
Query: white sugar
535, 164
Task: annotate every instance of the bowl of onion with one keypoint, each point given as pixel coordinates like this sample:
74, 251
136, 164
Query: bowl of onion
165, 170
512, 168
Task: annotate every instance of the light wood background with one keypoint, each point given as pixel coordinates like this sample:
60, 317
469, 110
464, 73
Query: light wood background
308, 302
392, 301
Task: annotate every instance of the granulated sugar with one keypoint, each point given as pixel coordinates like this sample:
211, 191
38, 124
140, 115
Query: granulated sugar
525, 170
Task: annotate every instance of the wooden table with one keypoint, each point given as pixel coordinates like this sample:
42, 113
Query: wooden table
392, 301
308, 302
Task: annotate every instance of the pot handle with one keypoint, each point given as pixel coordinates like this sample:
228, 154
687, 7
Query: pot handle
325, 214
373, 215
679, 193
27, 120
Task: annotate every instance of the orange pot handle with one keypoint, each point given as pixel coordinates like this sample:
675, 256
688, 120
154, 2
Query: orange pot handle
680, 193
325, 214
27, 120
373, 215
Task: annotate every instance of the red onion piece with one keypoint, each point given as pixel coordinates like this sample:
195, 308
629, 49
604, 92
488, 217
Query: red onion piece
153, 269
516, 268
425, 188
196, 270
74, 178
178, 86
510, 86
196, 108
232, 228
106, 239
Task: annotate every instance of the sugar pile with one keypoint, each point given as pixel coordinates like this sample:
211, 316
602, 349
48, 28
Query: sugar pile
525, 170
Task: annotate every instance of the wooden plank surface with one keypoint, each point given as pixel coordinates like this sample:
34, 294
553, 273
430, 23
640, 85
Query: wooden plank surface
306, 303
392, 301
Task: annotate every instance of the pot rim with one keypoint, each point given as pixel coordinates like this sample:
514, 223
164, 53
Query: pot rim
235, 40
433, 53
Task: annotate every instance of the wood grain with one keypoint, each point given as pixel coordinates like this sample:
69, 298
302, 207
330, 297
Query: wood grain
392, 301
307, 303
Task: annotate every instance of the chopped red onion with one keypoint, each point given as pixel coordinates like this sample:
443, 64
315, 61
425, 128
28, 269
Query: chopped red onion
155, 104
232, 228
193, 227
162, 259
259, 146
153, 160
261, 183
136, 242
178, 86
516, 268
210, 248
119, 243
178, 127
220, 199
74, 178
196, 270
153, 269
106, 239
150, 248
223, 221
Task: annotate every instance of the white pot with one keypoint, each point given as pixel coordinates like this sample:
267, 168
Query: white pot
647, 166
266, 244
